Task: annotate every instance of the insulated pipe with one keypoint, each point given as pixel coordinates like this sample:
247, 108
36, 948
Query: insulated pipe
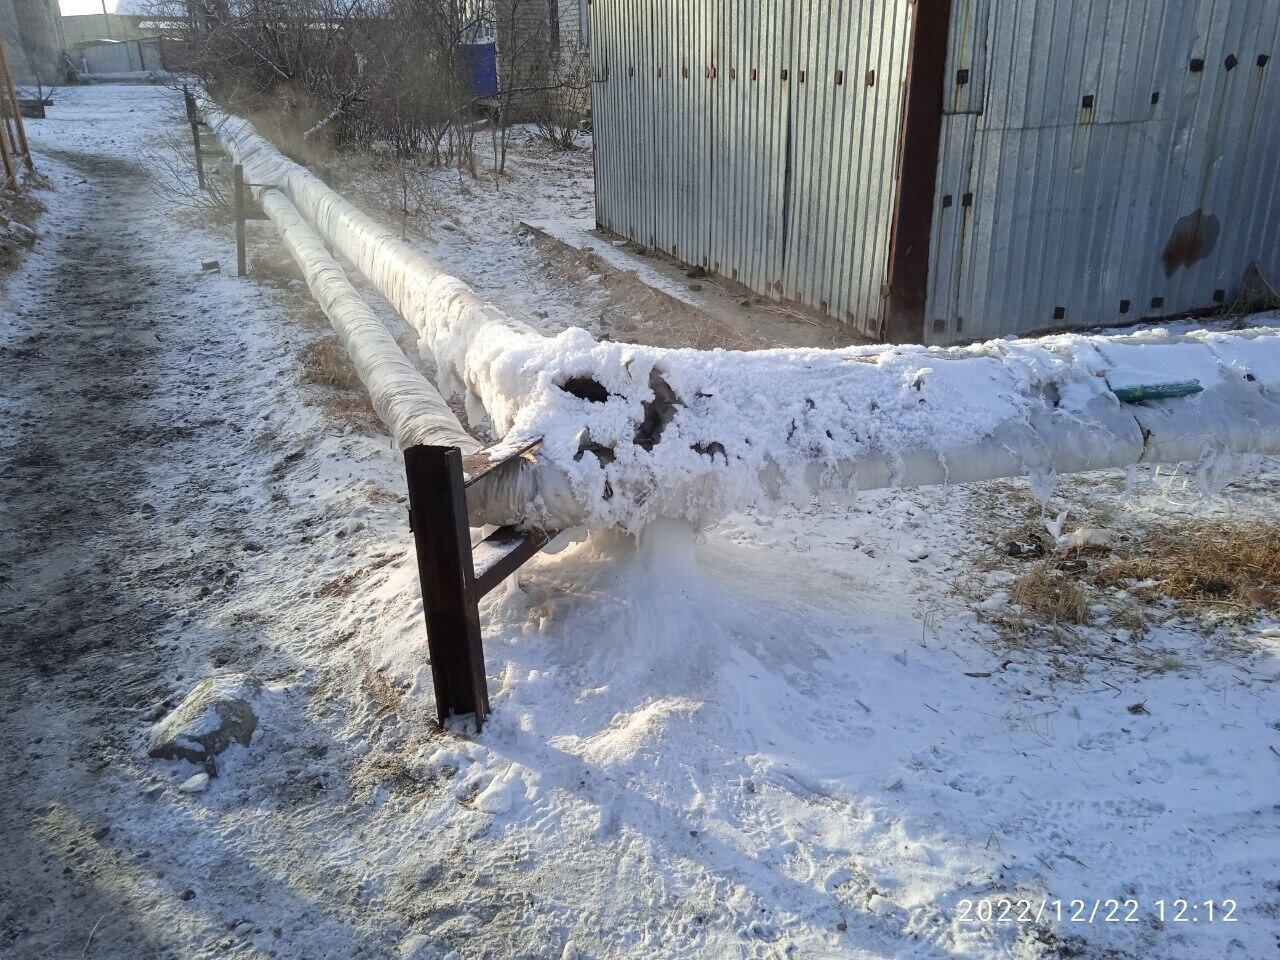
632, 433
406, 401
447, 314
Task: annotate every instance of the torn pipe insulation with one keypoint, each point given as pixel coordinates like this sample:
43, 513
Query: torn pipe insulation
632, 433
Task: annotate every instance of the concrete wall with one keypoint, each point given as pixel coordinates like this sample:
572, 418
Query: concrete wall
523, 29
119, 58
542, 54
33, 40
573, 16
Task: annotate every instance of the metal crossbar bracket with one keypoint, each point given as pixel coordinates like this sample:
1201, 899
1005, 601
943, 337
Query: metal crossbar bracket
245, 210
454, 577
480, 464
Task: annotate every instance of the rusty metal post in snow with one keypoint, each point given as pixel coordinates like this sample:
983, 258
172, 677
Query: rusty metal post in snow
10, 175
454, 575
15, 109
237, 179
442, 537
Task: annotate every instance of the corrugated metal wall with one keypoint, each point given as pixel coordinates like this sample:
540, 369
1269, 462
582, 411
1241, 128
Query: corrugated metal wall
1102, 161
755, 138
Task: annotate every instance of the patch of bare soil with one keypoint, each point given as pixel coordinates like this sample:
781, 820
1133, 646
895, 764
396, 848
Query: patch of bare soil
636, 313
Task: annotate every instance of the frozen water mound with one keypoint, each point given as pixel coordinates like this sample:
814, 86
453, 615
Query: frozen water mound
631, 433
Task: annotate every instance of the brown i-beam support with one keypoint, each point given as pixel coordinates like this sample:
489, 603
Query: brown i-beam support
193, 118
455, 577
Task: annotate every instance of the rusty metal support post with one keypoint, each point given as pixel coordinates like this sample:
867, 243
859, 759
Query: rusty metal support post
15, 109
237, 178
10, 175
195, 139
442, 538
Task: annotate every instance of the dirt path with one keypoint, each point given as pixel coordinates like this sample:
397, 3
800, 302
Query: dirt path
177, 502
87, 552
134, 503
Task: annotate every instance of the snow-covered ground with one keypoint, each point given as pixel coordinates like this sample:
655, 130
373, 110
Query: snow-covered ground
798, 735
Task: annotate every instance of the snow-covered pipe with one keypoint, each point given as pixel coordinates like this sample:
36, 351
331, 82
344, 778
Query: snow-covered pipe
407, 402
639, 432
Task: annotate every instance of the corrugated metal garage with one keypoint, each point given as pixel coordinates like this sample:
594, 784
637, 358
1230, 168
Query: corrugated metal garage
947, 170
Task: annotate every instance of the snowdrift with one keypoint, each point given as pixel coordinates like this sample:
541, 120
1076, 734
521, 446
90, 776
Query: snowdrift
632, 433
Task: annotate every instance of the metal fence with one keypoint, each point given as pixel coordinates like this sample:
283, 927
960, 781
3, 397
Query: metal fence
1103, 161
1098, 160
755, 138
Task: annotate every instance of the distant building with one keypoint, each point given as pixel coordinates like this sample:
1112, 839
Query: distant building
33, 41
541, 50
947, 170
102, 26
123, 45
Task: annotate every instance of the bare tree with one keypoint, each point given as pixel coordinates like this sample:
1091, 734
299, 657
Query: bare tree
392, 77
565, 102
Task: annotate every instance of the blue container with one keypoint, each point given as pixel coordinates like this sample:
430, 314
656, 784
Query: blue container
480, 65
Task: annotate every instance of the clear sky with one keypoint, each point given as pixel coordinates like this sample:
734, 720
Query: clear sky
71, 8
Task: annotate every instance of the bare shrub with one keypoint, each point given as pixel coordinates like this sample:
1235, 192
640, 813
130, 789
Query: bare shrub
388, 76
565, 102
171, 166
325, 364
342, 396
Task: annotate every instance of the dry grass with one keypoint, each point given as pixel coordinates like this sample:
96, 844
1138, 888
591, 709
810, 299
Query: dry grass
342, 585
385, 698
1049, 596
325, 364
24, 209
27, 208
274, 265
1207, 563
